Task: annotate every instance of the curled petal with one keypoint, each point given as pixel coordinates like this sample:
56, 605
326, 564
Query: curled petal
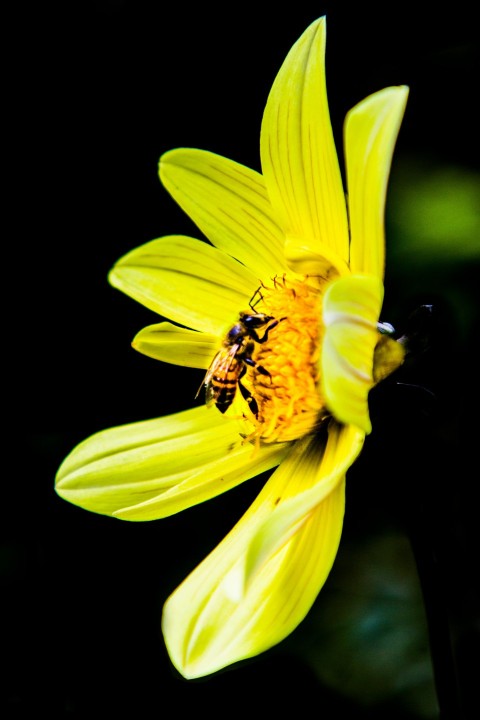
351, 307
179, 346
187, 281
342, 447
155, 468
370, 133
213, 619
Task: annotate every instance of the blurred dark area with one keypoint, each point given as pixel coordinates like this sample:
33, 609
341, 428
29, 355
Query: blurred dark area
96, 92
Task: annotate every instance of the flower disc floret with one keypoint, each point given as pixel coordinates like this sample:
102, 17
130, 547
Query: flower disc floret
285, 380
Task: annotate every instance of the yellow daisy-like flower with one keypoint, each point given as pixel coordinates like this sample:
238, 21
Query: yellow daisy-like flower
282, 309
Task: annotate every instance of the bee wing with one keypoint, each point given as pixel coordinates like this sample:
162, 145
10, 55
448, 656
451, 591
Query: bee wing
209, 374
220, 366
211, 394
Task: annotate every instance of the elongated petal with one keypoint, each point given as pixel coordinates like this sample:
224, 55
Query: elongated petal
208, 623
152, 469
187, 281
343, 446
172, 344
229, 204
299, 160
370, 133
351, 309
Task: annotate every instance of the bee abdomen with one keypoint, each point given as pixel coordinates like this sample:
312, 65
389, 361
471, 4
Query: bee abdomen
224, 391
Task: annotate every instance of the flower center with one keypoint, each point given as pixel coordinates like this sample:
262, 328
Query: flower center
284, 379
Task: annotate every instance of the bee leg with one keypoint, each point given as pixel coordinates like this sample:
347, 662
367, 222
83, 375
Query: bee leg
256, 298
247, 395
263, 339
263, 371
260, 369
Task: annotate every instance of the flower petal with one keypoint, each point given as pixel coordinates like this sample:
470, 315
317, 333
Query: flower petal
304, 261
172, 344
370, 133
229, 204
388, 356
351, 308
186, 280
207, 623
155, 468
342, 447
299, 158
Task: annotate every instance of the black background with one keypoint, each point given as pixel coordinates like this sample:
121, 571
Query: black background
96, 93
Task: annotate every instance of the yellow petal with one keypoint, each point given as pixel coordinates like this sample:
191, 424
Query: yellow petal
351, 308
229, 204
388, 356
343, 444
208, 624
152, 469
370, 133
304, 261
299, 159
187, 281
172, 344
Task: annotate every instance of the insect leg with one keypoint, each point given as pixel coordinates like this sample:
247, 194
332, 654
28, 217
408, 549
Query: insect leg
253, 334
247, 395
252, 363
259, 297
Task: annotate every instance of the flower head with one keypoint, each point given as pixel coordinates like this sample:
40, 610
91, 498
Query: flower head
281, 309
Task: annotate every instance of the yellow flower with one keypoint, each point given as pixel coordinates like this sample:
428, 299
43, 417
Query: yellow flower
285, 301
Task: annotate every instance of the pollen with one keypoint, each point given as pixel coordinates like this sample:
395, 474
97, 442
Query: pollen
285, 378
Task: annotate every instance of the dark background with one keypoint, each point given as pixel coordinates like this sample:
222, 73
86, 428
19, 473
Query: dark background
96, 92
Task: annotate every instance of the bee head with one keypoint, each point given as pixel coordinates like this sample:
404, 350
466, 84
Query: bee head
254, 320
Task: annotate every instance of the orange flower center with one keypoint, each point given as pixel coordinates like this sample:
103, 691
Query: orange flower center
284, 380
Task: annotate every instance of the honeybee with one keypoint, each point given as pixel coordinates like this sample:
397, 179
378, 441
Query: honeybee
230, 364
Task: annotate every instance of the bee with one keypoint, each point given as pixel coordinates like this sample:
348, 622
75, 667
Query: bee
229, 365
